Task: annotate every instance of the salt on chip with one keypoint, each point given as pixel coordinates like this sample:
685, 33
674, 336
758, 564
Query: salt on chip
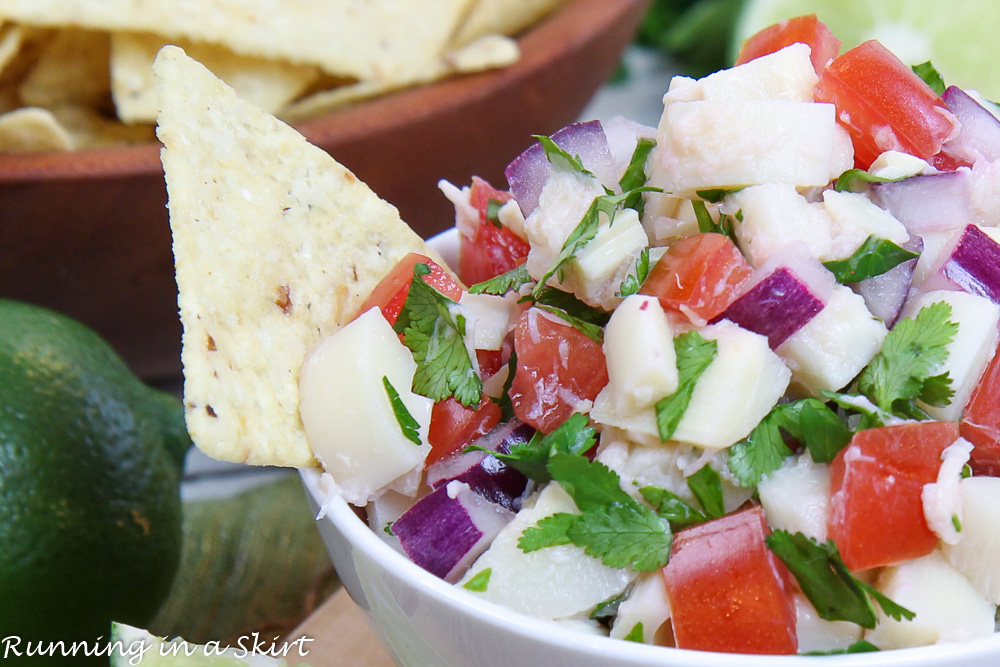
268, 84
275, 245
32, 129
72, 68
365, 39
505, 17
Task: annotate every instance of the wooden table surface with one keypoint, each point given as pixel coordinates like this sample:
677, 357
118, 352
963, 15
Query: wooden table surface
341, 637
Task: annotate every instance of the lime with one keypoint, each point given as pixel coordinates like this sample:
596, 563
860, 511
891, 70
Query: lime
132, 646
90, 467
956, 37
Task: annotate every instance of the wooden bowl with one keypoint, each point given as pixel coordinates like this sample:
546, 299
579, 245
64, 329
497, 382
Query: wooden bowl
86, 233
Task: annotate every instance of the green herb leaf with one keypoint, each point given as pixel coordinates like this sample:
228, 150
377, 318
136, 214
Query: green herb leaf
706, 224
409, 425
715, 195
635, 174
435, 335
694, 356
591, 484
480, 582
551, 531
503, 400
706, 485
824, 579
633, 281
623, 536
509, 281
607, 609
873, 258
930, 76
591, 331
493, 207
860, 646
901, 372
567, 302
635, 634
575, 436
388, 529
559, 157
857, 180
668, 505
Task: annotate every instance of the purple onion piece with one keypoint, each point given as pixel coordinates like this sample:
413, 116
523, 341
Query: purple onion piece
971, 262
527, 174
776, 307
446, 530
928, 201
979, 133
485, 474
885, 294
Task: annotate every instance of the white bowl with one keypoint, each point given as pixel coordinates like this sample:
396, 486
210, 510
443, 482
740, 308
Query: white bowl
425, 622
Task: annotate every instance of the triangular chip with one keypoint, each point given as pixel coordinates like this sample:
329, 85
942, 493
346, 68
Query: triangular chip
275, 244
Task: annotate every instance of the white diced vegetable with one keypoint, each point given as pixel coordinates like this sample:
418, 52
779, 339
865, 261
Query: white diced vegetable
969, 351
818, 634
947, 606
786, 74
596, 266
796, 497
487, 319
832, 348
775, 215
555, 582
736, 391
975, 554
346, 412
855, 217
639, 349
896, 164
647, 605
709, 144
928, 201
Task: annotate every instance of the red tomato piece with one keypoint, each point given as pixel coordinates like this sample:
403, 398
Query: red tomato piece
698, 276
728, 592
876, 514
490, 362
558, 368
453, 426
489, 249
390, 293
980, 423
883, 104
805, 29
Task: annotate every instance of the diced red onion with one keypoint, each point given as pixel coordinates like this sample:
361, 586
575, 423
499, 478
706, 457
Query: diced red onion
971, 262
978, 135
484, 473
527, 174
928, 201
885, 294
446, 530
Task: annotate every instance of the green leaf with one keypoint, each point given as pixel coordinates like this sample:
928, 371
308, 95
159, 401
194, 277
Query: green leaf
824, 579
706, 485
558, 157
668, 505
857, 180
706, 224
930, 76
591, 331
820, 429
873, 258
591, 484
635, 634
551, 531
633, 281
480, 582
434, 333
585, 318
622, 536
409, 425
901, 372
716, 195
860, 646
493, 207
575, 436
635, 174
509, 281
503, 400
608, 609
694, 356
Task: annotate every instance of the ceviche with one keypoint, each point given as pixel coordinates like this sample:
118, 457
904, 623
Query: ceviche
725, 384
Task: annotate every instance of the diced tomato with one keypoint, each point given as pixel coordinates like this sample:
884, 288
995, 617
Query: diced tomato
805, 29
698, 276
453, 425
883, 104
490, 362
728, 592
390, 293
558, 368
876, 514
490, 249
980, 423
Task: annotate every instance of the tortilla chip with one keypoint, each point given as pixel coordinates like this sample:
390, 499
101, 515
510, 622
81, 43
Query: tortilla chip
506, 17
72, 68
365, 40
275, 245
89, 128
268, 84
32, 129
11, 38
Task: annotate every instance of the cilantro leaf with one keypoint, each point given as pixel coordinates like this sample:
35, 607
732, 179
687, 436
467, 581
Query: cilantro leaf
860, 646
493, 207
635, 174
552, 531
873, 258
901, 372
706, 485
715, 195
509, 281
559, 157
623, 536
407, 423
635, 634
575, 436
857, 180
831, 588
480, 582
608, 609
706, 224
503, 400
591, 331
434, 333
668, 505
930, 76
694, 356
633, 281
591, 484
585, 318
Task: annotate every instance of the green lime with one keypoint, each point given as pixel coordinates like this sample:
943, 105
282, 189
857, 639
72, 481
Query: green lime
958, 38
90, 467
132, 646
